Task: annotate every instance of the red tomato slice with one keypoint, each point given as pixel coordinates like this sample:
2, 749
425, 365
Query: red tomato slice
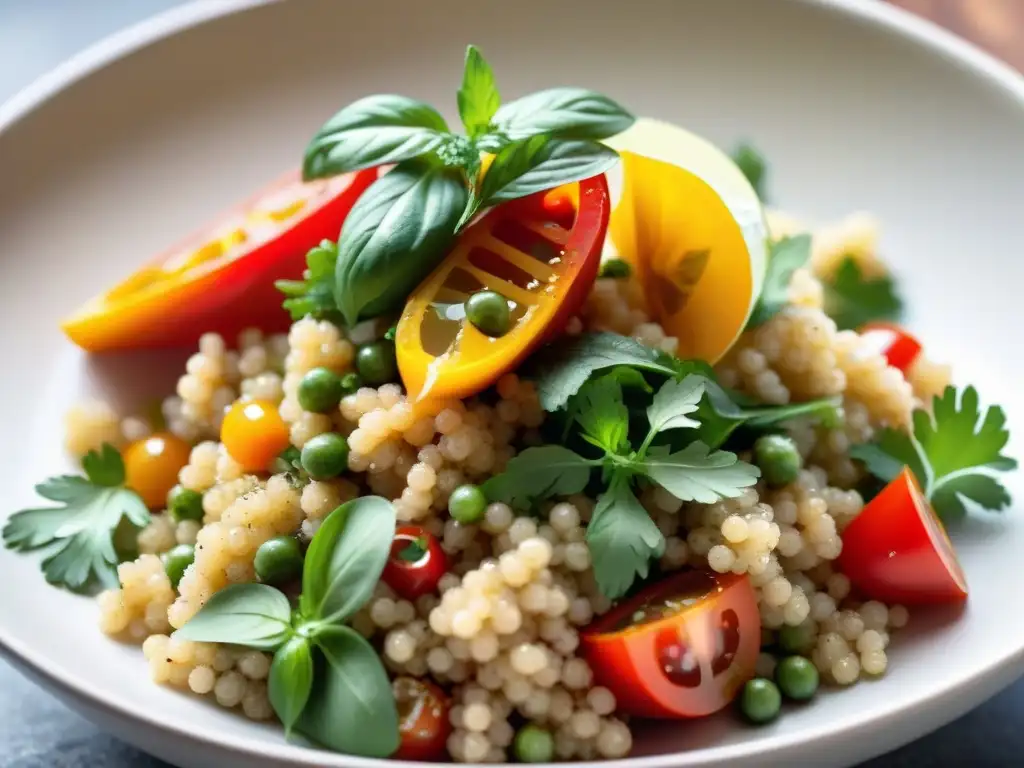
222, 277
896, 550
542, 253
422, 720
417, 562
900, 349
681, 648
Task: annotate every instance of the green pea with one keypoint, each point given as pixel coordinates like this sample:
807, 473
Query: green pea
325, 456
778, 458
467, 504
534, 744
760, 700
185, 504
350, 382
797, 678
279, 560
376, 362
616, 268
489, 312
796, 639
177, 560
320, 391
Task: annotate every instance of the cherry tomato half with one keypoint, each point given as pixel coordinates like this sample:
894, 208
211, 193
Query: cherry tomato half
900, 349
541, 253
416, 564
254, 434
681, 648
422, 720
151, 466
896, 549
222, 277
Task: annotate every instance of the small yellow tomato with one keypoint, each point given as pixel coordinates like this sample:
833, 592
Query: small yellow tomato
151, 466
254, 434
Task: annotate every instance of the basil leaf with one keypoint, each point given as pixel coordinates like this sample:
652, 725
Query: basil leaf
254, 615
567, 113
539, 163
376, 130
345, 559
352, 708
394, 236
291, 681
478, 97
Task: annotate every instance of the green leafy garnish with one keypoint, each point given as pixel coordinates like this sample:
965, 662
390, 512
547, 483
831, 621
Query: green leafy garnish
954, 452
404, 222
326, 681
78, 534
753, 165
414, 551
853, 300
785, 257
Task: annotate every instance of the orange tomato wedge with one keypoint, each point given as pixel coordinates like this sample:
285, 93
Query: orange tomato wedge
531, 253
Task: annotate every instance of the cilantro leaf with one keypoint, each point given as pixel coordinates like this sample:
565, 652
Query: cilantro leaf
953, 451
674, 402
752, 163
622, 539
852, 300
80, 532
720, 415
697, 474
539, 473
314, 294
786, 256
599, 409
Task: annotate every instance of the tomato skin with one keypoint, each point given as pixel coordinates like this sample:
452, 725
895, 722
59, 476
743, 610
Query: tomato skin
899, 347
151, 466
633, 662
254, 434
423, 723
156, 308
415, 579
897, 551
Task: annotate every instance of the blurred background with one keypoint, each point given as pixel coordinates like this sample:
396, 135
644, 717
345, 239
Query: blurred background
37, 732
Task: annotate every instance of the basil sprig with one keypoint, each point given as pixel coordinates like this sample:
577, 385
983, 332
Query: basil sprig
404, 223
326, 681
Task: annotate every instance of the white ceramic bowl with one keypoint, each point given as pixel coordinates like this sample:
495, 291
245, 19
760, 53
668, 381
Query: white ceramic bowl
857, 105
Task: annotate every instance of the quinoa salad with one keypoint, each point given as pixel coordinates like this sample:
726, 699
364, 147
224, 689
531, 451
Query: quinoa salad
494, 444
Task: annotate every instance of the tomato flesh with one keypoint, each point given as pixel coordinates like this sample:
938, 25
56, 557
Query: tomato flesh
896, 550
415, 575
681, 648
423, 723
221, 279
899, 348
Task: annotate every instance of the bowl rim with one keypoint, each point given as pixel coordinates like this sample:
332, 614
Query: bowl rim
880, 16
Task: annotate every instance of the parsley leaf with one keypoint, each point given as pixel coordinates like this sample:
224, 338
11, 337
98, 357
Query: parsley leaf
674, 402
599, 409
954, 453
79, 533
786, 256
314, 294
622, 539
853, 300
697, 474
752, 163
539, 473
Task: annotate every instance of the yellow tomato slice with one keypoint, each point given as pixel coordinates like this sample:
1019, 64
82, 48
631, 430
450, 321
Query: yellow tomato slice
693, 228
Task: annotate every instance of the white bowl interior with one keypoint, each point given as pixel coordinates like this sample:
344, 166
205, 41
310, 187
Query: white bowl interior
852, 115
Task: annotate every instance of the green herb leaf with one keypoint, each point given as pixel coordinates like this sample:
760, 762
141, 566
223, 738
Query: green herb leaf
720, 416
853, 300
80, 532
478, 97
352, 708
376, 130
753, 165
314, 294
696, 474
566, 113
599, 409
674, 402
539, 163
291, 681
787, 255
414, 551
394, 236
346, 557
954, 452
622, 539
539, 473
254, 615
560, 369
